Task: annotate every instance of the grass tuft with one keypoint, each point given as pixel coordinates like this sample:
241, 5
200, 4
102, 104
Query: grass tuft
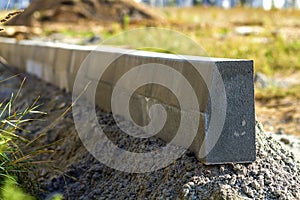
17, 160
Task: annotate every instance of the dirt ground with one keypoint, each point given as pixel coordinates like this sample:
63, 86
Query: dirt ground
280, 115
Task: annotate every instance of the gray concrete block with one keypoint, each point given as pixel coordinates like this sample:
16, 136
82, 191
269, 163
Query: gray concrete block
142, 113
188, 77
166, 94
62, 64
233, 141
14, 56
48, 65
199, 82
100, 62
35, 68
103, 96
77, 58
139, 109
237, 139
126, 63
7, 48
236, 142
7, 52
38, 60
26, 52
4, 50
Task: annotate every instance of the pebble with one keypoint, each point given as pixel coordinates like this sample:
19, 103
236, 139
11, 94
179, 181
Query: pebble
255, 184
285, 140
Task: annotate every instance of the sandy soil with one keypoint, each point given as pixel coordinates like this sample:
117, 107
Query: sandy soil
280, 115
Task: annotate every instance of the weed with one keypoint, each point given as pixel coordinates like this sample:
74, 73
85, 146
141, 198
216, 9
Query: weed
14, 163
11, 191
126, 22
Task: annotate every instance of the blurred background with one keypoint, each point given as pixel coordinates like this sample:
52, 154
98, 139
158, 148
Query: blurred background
266, 4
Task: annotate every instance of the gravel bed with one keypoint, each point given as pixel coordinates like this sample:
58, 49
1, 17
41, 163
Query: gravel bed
77, 175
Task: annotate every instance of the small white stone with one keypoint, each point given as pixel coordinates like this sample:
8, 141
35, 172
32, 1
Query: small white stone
244, 123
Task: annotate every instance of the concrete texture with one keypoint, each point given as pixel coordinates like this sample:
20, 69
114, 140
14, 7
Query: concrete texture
48, 63
59, 64
77, 58
237, 140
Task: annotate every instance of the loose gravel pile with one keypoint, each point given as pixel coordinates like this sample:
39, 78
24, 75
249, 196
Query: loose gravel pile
291, 142
274, 175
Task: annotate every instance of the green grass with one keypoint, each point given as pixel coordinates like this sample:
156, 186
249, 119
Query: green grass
14, 167
214, 29
277, 93
11, 191
17, 157
15, 164
276, 56
71, 33
68, 33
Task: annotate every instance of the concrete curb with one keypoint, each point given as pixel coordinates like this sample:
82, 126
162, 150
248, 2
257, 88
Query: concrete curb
59, 63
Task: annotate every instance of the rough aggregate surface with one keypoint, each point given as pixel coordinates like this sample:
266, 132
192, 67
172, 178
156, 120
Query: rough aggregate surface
78, 175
